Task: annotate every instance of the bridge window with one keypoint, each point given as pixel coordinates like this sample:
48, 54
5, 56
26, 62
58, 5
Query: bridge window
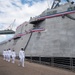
38, 35
15, 41
52, 12
71, 8
36, 26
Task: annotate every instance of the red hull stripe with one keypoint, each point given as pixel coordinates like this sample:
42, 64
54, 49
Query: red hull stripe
34, 30
37, 30
56, 15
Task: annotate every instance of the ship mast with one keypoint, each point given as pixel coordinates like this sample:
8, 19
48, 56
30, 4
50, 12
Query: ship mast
55, 3
48, 3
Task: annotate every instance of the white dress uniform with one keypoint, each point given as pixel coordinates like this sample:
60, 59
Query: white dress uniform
4, 54
22, 57
13, 54
9, 55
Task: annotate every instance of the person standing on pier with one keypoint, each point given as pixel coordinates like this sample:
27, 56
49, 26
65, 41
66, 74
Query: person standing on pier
4, 54
22, 57
13, 55
9, 55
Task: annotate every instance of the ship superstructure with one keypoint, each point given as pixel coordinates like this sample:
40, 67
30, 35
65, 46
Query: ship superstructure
48, 37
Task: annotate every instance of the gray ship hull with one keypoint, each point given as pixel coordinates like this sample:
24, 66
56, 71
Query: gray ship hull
56, 40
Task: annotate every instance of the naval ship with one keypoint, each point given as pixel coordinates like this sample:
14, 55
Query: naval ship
48, 37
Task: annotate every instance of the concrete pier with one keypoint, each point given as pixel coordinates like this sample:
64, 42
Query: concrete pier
7, 68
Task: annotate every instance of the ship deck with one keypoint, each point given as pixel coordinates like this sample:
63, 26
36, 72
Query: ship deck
30, 69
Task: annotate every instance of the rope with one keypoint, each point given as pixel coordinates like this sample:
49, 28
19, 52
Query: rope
27, 42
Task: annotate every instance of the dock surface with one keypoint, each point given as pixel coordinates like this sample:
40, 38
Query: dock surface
8, 68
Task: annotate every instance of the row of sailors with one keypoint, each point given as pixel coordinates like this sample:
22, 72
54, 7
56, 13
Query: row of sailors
8, 54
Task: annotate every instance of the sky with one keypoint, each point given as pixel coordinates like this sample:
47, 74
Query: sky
20, 11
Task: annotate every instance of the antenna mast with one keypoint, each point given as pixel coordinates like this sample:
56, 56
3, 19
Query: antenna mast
48, 4
55, 3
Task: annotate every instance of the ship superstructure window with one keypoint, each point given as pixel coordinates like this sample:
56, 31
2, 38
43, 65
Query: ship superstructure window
36, 26
71, 8
51, 12
38, 35
15, 41
9, 40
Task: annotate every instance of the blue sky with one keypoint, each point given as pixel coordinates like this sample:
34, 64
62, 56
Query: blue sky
21, 10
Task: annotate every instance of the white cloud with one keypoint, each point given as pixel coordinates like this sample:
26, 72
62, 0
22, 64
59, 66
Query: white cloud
14, 9
21, 13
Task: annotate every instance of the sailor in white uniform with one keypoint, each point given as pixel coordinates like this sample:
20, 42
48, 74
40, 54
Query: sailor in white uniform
13, 55
4, 54
9, 55
22, 57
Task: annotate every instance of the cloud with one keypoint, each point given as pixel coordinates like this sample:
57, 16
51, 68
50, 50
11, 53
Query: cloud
15, 9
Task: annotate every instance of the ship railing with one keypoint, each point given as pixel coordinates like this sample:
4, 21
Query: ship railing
34, 18
51, 13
